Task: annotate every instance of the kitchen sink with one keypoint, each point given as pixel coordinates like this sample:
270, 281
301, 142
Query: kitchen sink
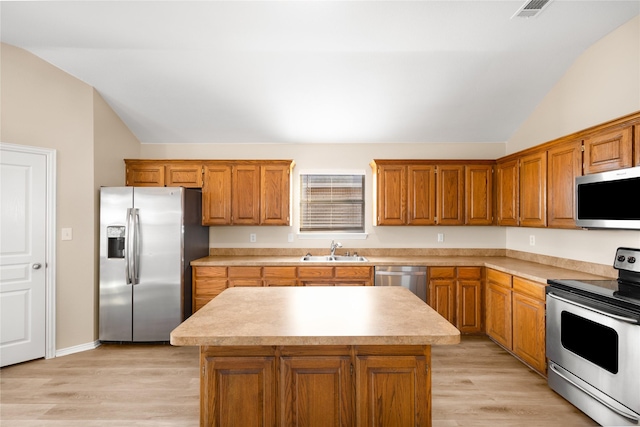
336, 258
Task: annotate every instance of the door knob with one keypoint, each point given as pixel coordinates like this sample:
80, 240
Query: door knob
36, 266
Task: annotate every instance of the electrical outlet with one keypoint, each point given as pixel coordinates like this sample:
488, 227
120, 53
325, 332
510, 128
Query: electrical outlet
440, 237
290, 237
532, 240
252, 238
66, 234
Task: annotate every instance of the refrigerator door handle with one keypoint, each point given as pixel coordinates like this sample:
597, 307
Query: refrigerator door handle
136, 247
129, 248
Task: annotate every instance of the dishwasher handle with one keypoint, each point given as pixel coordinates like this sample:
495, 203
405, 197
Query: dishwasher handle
401, 273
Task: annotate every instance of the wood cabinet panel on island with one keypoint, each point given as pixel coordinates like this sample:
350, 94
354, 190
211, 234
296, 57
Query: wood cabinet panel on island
515, 316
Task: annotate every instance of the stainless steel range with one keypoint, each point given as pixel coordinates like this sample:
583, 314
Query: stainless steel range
593, 342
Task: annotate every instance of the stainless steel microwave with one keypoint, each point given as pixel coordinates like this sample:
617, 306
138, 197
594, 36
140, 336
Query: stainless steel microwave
609, 199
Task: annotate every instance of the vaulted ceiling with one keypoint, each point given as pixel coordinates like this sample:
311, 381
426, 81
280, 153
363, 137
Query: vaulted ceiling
314, 71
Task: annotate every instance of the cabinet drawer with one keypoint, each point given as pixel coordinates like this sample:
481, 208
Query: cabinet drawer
499, 278
315, 272
209, 287
442, 272
245, 282
279, 272
353, 272
245, 272
528, 287
469, 273
217, 272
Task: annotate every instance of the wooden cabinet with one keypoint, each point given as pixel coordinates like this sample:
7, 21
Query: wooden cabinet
246, 192
479, 194
455, 293
161, 173
339, 386
529, 322
209, 282
498, 307
239, 391
430, 192
521, 190
533, 190
608, 149
564, 164
515, 316
450, 195
507, 192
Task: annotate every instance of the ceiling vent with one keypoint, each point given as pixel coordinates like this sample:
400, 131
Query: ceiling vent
531, 9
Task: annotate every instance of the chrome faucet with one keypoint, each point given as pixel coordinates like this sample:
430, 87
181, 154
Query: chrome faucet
333, 248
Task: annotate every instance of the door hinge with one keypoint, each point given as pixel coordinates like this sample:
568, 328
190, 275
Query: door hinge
351, 369
204, 369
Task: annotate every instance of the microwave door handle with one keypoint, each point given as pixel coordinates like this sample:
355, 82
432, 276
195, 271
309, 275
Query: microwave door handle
630, 417
595, 310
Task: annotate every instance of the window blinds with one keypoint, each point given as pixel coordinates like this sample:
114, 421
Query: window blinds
332, 203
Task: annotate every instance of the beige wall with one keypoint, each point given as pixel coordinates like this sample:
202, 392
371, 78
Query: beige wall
43, 106
603, 84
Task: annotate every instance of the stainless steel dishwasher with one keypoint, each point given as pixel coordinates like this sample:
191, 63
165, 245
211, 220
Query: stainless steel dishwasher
411, 277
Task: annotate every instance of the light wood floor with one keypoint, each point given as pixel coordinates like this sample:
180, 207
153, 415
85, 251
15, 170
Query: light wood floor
475, 383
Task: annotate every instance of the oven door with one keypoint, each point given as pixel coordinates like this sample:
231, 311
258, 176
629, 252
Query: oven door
599, 345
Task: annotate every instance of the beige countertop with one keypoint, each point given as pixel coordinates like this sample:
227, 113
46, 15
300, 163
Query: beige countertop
318, 315
535, 271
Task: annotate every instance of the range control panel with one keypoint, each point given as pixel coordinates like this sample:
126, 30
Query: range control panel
627, 259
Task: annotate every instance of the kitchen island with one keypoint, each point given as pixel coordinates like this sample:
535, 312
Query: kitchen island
315, 356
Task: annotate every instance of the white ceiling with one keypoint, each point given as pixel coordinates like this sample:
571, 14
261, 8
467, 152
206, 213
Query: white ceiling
314, 71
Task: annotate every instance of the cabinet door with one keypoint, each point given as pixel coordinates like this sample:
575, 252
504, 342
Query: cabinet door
507, 189
450, 195
275, 194
245, 185
608, 150
529, 331
216, 195
316, 391
391, 195
498, 314
180, 174
245, 276
208, 283
238, 392
392, 391
421, 186
442, 298
533, 190
144, 174
479, 194
564, 165
280, 276
469, 300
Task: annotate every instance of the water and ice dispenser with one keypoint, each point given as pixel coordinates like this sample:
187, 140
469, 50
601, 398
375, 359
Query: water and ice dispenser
115, 241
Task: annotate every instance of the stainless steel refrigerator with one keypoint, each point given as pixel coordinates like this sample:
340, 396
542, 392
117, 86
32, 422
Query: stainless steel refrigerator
148, 237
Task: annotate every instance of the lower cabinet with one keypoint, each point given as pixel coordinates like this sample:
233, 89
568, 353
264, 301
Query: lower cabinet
455, 293
209, 282
319, 386
515, 316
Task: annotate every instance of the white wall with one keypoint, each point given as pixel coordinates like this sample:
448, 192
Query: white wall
603, 84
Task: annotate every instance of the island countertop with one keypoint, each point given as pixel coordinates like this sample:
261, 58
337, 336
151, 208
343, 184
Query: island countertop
319, 315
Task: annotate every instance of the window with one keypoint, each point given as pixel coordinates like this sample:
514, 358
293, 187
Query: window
332, 203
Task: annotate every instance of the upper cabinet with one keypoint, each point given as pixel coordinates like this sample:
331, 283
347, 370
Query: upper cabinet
609, 149
533, 190
248, 192
564, 164
425, 192
163, 173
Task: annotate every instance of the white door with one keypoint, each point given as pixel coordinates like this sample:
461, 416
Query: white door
22, 256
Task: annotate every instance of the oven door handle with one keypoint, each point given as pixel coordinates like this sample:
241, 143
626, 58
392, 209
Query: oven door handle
631, 417
586, 307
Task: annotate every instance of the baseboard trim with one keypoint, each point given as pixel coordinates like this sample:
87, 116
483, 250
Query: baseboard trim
77, 348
